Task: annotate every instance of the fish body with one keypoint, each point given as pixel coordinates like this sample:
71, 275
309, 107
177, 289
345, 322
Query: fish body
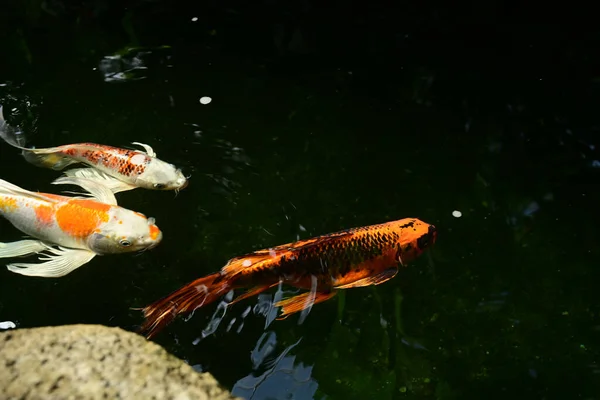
80, 227
351, 258
117, 168
134, 168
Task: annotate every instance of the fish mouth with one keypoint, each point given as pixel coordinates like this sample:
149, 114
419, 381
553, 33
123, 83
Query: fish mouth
151, 246
432, 232
428, 239
155, 242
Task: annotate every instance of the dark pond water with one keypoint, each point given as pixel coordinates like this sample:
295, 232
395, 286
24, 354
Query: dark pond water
322, 120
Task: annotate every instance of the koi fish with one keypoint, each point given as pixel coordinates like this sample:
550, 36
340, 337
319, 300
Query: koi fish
73, 230
118, 169
347, 259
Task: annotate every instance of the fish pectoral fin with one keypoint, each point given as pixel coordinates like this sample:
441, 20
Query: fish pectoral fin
97, 189
59, 263
146, 147
371, 280
301, 301
252, 292
21, 248
115, 185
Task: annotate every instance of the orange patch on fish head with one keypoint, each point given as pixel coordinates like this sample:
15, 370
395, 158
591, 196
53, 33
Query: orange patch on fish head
8, 204
155, 233
81, 217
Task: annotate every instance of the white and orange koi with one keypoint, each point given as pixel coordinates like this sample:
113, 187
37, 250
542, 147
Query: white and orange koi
71, 230
117, 168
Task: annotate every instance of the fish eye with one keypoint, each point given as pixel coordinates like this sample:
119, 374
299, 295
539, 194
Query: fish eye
158, 186
124, 242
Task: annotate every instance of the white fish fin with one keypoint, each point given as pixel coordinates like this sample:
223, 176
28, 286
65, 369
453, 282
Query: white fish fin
146, 147
7, 188
99, 191
114, 184
61, 262
21, 248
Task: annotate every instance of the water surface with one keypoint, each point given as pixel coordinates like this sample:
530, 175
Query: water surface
305, 139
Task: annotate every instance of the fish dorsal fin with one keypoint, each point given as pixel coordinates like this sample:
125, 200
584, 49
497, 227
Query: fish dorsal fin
238, 263
307, 243
8, 188
250, 259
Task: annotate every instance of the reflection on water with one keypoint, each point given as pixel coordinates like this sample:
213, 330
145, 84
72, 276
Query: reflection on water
275, 377
264, 307
20, 113
131, 64
220, 159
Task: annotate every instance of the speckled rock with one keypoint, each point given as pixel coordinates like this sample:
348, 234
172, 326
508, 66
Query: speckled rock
95, 362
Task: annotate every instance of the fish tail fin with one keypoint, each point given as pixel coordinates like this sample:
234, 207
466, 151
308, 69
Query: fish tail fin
45, 158
53, 160
195, 294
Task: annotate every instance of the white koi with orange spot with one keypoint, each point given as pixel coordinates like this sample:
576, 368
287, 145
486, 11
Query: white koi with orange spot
117, 168
73, 230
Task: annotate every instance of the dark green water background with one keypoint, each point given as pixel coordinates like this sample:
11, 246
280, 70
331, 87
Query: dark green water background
323, 119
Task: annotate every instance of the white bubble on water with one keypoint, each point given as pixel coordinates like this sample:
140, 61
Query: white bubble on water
205, 100
456, 214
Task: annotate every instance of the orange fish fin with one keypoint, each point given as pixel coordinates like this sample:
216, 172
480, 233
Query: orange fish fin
252, 292
184, 300
301, 301
371, 280
307, 243
238, 263
248, 260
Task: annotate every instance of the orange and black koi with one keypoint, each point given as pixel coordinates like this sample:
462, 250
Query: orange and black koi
347, 259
